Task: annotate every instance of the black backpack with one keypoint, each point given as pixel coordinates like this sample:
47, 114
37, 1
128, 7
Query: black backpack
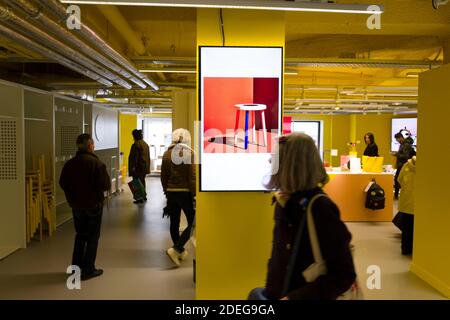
376, 197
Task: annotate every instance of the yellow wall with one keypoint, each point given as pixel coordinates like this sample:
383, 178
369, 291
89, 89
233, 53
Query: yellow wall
128, 122
234, 230
341, 129
431, 258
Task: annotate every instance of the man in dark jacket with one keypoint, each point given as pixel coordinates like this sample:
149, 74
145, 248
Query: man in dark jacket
85, 180
405, 152
139, 159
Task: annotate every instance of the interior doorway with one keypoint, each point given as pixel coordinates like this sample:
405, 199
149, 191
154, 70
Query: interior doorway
158, 135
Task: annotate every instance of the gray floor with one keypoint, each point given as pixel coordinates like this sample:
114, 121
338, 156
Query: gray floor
378, 244
132, 252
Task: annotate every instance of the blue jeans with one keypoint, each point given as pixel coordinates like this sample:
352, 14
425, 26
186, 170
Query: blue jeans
87, 226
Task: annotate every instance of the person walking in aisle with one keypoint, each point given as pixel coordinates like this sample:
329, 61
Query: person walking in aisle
371, 147
139, 159
179, 186
85, 180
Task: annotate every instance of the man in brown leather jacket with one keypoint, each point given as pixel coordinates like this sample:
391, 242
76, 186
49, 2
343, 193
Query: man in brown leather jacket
139, 159
84, 180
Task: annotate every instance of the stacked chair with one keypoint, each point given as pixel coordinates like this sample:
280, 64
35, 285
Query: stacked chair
40, 200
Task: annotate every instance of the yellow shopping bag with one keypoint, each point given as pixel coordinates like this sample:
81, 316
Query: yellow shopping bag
372, 164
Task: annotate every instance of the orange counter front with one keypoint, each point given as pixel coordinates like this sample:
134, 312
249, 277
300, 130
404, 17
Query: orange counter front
347, 191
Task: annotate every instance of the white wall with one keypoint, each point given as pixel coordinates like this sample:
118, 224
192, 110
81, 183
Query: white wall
12, 170
105, 127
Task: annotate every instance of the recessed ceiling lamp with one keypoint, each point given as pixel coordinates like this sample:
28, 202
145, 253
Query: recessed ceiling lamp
250, 4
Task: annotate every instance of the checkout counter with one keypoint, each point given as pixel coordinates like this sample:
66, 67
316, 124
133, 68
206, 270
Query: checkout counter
347, 189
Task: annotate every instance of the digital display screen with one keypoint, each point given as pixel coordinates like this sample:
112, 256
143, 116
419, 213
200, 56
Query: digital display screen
408, 128
240, 112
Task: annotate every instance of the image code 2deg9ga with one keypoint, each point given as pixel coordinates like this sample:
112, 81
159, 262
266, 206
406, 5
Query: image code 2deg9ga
246, 309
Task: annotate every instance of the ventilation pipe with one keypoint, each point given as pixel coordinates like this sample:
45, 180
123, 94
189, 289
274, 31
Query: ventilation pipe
34, 13
33, 46
23, 26
89, 35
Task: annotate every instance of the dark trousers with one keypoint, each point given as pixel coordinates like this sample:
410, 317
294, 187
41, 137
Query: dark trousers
407, 233
87, 226
176, 201
396, 184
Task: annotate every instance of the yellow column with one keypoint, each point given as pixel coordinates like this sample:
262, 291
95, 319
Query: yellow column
128, 122
184, 109
234, 229
431, 258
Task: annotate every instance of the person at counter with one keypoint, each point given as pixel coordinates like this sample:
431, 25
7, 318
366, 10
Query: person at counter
371, 146
405, 152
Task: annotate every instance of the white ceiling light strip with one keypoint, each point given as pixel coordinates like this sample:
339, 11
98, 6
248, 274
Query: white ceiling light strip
251, 4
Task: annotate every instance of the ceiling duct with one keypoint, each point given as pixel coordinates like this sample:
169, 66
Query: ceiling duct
22, 26
35, 13
89, 35
29, 44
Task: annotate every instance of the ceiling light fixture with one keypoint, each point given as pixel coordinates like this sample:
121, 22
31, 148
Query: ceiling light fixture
250, 4
412, 75
167, 71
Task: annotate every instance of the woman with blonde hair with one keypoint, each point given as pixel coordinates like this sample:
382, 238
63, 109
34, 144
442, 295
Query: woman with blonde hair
179, 186
299, 181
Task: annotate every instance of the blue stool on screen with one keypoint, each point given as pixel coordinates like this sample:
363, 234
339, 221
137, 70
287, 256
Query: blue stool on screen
250, 108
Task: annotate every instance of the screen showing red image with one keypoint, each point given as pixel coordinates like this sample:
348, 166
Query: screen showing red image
240, 107
234, 106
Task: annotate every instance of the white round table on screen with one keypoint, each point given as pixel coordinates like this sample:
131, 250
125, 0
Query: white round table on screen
99, 127
250, 108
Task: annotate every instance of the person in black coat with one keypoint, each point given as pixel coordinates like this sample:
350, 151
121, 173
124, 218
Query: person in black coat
85, 180
299, 178
371, 147
405, 152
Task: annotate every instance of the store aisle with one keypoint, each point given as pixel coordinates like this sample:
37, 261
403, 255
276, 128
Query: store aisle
131, 252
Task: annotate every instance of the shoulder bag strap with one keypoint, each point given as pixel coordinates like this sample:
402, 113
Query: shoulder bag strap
293, 257
313, 232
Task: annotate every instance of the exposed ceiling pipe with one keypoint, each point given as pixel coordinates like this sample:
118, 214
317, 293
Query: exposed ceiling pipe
29, 44
89, 35
35, 13
20, 25
115, 17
